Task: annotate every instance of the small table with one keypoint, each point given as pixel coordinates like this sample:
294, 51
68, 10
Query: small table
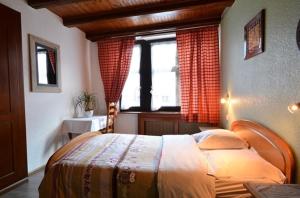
82, 125
261, 190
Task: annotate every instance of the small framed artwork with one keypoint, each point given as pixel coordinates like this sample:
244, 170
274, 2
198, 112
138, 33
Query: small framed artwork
298, 35
254, 36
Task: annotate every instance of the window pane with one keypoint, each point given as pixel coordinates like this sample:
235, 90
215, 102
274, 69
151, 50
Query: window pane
131, 91
165, 76
42, 68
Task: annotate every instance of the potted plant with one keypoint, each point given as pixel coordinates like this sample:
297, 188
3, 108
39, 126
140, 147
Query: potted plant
87, 102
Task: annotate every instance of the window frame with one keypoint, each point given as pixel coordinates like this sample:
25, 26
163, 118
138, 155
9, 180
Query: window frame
146, 79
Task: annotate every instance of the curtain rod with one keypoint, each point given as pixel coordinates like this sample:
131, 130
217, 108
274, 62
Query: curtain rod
163, 31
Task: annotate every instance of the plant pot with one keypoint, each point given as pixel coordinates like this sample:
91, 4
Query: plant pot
88, 114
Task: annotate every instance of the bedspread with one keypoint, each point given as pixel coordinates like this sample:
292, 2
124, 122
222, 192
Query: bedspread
119, 165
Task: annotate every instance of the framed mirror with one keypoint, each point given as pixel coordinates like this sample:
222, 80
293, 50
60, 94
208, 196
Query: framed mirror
45, 65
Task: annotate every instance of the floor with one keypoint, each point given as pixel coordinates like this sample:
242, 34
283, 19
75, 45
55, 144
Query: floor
28, 189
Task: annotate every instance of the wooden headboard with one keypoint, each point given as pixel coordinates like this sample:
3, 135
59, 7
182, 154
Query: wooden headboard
269, 145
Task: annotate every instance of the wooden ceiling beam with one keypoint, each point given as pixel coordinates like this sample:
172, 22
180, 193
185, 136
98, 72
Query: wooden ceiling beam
164, 6
153, 29
45, 3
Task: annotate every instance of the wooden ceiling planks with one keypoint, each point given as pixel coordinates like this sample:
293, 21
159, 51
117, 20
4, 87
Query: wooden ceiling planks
132, 11
110, 18
45, 3
152, 29
154, 19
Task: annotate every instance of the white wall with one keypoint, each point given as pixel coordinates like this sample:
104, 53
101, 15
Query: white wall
45, 111
127, 123
264, 85
97, 85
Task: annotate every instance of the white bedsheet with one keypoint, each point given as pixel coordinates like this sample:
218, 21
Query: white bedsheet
183, 169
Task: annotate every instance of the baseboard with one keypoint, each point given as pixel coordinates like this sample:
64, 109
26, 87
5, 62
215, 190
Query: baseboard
34, 171
14, 185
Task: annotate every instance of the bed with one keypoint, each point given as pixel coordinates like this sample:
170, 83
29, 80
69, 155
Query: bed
118, 165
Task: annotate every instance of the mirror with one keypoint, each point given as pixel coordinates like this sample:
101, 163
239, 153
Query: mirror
45, 65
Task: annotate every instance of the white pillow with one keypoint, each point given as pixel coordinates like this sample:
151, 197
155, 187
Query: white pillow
219, 139
243, 164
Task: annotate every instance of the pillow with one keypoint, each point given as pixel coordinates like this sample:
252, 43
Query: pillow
243, 164
219, 139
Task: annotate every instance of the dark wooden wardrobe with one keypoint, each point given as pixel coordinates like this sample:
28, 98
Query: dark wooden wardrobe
13, 160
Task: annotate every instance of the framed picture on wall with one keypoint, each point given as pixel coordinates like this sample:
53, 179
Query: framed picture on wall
254, 36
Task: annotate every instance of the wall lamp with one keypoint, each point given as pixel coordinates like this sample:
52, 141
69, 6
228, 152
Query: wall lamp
294, 107
225, 100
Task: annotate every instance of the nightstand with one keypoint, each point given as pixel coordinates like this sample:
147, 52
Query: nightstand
261, 190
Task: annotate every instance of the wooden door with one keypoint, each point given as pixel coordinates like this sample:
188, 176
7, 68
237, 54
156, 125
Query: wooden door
13, 160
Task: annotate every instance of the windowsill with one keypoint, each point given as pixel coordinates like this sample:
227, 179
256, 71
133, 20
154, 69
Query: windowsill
129, 112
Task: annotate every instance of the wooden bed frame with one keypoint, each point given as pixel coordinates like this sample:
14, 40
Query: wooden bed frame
269, 145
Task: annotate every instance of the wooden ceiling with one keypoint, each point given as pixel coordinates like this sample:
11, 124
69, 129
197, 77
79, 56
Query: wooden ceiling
112, 18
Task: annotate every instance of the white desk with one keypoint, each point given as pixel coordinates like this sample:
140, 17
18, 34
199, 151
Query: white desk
82, 125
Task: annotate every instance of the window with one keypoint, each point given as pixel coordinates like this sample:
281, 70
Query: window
131, 90
153, 80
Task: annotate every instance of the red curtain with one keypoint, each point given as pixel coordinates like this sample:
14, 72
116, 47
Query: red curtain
114, 60
199, 69
52, 59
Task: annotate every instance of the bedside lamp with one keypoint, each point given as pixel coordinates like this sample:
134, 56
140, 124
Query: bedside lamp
294, 107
